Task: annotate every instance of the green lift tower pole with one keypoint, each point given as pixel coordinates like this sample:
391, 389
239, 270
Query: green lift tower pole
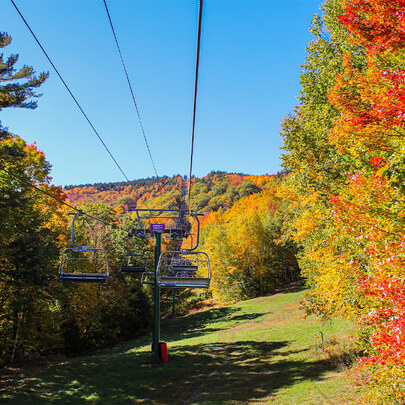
156, 307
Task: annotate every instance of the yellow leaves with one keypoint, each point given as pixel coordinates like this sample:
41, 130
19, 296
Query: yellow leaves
307, 213
288, 192
333, 286
237, 241
306, 223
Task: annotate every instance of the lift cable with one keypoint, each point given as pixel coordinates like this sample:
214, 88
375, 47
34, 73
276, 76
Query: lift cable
54, 197
67, 88
130, 88
197, 62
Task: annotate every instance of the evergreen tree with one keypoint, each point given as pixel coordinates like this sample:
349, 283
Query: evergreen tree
20, 84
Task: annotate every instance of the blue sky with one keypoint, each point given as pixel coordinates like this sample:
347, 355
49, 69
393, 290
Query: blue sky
249, 80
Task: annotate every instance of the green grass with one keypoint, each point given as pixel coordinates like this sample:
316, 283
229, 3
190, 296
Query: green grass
258, 351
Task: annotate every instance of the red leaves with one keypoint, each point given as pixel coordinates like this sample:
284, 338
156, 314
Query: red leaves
379, 25
378, 162
372, 105
388, 318
366, 208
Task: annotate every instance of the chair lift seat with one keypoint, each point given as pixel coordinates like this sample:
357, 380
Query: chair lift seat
133, 269
190, 282
85, 277
178, 269
145, 276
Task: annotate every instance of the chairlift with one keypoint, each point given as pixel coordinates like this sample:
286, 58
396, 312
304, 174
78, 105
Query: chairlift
78, 258
135, 269
148, 277
183, 269
136, 263
131, 258
187, 268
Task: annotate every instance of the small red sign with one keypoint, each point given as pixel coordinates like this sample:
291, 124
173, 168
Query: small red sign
157, 227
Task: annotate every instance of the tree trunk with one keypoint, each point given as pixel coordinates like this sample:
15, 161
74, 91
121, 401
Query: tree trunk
20, 316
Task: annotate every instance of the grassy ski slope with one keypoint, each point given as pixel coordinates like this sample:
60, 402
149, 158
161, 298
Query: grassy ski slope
254, 352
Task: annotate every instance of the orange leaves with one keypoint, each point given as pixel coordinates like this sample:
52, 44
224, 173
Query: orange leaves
379, 25
371, 209
372, 106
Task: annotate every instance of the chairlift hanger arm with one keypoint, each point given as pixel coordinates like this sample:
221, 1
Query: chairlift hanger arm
76, 214
180, 211
198, 235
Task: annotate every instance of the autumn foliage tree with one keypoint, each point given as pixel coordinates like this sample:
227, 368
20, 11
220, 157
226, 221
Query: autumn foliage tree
372, 104
350, 224
248, 258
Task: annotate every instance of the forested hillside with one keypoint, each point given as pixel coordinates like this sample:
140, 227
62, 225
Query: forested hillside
209, 193
241, 229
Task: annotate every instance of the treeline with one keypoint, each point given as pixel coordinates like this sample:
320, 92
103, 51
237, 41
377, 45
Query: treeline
345, 151
210, 193
120, 185
38, 313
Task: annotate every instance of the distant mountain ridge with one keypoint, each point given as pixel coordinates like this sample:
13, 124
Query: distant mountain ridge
216, 190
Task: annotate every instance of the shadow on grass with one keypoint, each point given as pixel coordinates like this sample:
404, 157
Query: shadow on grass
296, 286
197, 324
241, 372
215, 374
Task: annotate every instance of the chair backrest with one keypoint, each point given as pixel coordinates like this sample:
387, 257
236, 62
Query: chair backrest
79, 258
183, 269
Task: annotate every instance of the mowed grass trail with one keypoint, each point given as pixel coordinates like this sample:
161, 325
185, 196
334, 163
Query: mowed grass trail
253, 352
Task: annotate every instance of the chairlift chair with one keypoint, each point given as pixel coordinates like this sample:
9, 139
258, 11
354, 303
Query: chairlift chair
184, 269
135, 268
132, 258
75, 258
148, 277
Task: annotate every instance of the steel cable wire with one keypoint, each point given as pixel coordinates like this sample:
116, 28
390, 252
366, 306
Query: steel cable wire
130, 88
197, 63
54, 197
70, 92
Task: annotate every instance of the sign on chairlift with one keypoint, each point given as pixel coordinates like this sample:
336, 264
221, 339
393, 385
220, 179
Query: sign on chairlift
157, 227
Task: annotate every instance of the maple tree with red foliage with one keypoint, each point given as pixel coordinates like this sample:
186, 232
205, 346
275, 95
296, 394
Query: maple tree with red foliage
379, 25
372, 106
